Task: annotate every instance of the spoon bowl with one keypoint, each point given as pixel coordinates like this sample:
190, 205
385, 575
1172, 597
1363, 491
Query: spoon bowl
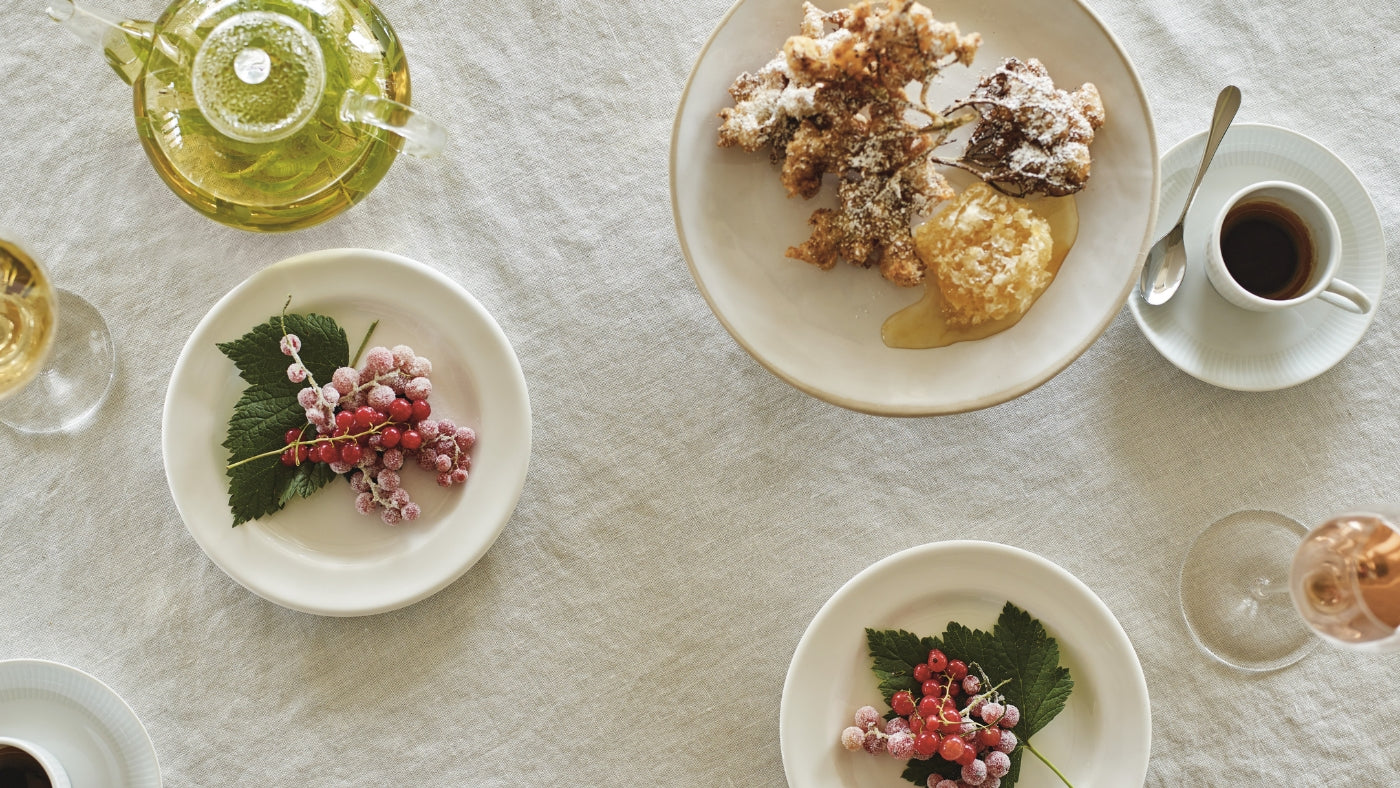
1165, 268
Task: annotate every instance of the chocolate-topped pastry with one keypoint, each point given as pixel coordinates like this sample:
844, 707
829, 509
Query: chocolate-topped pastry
1032, 138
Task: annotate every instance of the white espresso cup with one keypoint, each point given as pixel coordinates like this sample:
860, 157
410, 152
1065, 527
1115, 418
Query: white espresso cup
1275, 245
25, 755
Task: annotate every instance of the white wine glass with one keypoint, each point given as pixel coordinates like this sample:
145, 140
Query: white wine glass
1259, 590
57, 361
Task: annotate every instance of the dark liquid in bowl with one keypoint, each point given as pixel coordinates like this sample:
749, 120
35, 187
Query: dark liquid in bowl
1267, 249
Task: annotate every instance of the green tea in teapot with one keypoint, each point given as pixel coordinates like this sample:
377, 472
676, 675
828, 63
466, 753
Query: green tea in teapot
266, 114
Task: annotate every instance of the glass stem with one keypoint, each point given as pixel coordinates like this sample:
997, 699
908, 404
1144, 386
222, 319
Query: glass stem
1262, 588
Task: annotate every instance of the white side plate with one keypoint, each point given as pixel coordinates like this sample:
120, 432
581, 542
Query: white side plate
1101, 738
318, 554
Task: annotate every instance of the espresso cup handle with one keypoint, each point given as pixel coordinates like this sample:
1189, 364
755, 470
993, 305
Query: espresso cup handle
1339, 293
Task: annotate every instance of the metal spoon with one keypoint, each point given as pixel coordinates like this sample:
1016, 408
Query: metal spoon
1166, 260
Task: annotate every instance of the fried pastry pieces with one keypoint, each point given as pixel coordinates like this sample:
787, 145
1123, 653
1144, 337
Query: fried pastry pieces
837, 101
834, 101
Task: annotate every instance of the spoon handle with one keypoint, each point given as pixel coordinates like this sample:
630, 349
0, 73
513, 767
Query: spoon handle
1225, 107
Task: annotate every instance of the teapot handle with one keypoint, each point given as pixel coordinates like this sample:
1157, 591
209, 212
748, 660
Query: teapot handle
423, 137
125, 42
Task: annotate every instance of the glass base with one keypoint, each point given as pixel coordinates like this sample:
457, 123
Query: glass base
76, 377
1234, 592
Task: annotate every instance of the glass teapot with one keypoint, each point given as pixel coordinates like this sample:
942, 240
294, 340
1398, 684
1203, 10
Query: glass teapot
265, 114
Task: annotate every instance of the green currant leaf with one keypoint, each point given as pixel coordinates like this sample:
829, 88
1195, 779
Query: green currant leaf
268, 409
894, 653
917, 771
1033, 658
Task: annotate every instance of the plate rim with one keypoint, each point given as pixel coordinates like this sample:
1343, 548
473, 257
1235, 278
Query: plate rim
144, 742
930, 550
508, 502
874, 408
1371, 218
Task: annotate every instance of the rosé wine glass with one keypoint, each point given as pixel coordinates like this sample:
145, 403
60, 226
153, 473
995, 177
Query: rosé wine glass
1342, 577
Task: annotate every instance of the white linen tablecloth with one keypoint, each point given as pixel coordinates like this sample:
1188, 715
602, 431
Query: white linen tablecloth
686, 512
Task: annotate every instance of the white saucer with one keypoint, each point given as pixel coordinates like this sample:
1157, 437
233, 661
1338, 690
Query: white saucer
1102, 737
1219, 343
86, 725
318, 555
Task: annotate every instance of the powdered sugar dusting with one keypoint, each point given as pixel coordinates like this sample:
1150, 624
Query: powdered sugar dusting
1033, 137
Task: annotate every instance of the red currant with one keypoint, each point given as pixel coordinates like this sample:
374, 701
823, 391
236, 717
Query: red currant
289, 457
329, 453
921, 670
937, 661
957, 669
421, 409
400, 409
968, 755
932, 688
351, 453
902, 702
302, 452
389, 437
365, 416
951, 748
411, 439
293, 435
990, 737
345, 419
949, 721
926, 744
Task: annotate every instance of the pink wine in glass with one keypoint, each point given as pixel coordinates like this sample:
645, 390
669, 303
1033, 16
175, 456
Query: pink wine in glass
1346, 580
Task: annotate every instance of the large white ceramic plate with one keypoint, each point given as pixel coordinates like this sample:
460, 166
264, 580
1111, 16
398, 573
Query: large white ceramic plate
318, 555
820, 330
1100, 740
88, 727
1209, 338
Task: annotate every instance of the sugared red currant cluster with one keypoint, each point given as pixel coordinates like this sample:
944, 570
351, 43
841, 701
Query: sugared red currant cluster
976, 734
369, 422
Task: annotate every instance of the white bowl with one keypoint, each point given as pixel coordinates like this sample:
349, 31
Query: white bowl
820, 330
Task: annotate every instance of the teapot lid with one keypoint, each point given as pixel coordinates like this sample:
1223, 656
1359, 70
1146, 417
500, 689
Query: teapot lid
258, 76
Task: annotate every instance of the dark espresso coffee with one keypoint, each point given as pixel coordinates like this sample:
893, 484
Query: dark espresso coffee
19, 769
1267, 249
